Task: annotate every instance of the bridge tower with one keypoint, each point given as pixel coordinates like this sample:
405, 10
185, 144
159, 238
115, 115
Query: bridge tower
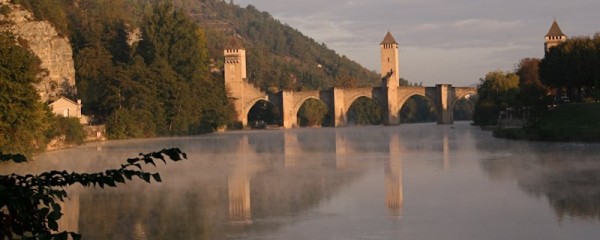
390, 80
554, 37
235, 75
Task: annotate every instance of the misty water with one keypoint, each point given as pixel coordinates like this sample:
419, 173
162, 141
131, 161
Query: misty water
413, 181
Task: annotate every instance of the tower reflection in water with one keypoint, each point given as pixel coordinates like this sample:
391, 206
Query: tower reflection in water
393, 177
238, 186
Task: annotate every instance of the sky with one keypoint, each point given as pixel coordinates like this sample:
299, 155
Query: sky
441, 41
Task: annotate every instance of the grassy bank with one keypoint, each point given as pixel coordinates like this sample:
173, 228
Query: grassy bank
577, 122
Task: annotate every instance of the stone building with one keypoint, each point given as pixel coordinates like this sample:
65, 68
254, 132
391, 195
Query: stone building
67, 108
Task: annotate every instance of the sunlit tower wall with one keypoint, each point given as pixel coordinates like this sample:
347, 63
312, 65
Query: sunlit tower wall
235, 75
390, 68
390, 80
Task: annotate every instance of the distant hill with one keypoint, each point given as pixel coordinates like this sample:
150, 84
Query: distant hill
279, 56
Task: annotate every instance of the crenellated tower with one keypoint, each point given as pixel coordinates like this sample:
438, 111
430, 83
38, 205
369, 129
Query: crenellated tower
554, 37
235, 74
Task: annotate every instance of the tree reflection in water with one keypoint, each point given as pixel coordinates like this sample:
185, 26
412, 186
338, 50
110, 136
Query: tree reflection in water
569, 180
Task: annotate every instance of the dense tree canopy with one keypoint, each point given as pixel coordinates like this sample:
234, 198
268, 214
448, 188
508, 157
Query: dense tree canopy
154, 83
312, 113
496, 92
572, 68
24, 119
279, 57
365, 111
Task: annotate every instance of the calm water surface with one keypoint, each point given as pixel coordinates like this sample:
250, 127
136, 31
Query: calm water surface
419, 181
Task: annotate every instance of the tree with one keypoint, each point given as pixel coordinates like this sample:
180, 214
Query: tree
463, 108
29, 203
365, 111
572, 68
532, 93
24, 119
497, 91
418, 109
312, 113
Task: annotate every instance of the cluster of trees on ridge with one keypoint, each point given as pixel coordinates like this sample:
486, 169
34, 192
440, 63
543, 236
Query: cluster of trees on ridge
154, 83
568, 72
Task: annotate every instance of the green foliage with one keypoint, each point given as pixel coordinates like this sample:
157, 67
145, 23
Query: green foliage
29, 203
463, 108
136, 123
4, 10
157, 86
264, 112
497, 91
568, 122
312, 113
532, 93
23, 118
418, 109
70, 127
279, 57
54, 11
573, 66
365, 111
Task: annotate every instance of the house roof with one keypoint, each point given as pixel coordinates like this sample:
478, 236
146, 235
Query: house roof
64, 99
555, 31
389, 39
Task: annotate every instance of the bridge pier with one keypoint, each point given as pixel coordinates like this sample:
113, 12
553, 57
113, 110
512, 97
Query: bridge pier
339, 115
290, 119
444, 93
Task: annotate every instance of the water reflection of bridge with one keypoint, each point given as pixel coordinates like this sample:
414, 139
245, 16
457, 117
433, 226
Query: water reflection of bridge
390, 95
257, 175
299, 155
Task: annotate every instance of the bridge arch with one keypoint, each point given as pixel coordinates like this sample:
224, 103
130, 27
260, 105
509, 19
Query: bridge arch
460, 94
348, 103
408, 95
248, 107
301, 102
418, 108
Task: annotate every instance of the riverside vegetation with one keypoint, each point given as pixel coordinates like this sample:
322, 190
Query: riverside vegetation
557, 96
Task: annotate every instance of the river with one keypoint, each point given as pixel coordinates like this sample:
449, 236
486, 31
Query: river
413, 181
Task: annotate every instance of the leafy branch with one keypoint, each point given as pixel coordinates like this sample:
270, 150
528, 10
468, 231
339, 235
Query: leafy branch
28, 203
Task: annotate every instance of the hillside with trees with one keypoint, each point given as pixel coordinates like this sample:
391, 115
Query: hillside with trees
152, 67
279, 56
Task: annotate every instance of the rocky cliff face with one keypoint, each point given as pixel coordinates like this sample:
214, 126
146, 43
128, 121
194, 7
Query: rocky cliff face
58, 75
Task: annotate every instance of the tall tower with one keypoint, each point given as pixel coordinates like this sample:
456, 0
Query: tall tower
390, 70
390, 80
235, 73
554, 37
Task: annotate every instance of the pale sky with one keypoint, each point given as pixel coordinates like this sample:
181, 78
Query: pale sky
441, 41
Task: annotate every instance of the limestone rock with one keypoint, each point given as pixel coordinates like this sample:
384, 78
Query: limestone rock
54, 51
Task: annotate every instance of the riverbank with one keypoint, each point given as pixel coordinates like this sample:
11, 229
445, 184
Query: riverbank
575, 122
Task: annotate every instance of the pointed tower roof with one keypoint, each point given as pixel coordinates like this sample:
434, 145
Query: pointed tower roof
555, 30
388, 39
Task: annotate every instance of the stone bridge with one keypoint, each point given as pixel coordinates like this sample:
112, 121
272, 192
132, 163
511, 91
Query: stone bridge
390, 95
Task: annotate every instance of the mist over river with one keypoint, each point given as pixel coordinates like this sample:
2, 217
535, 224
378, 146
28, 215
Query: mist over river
413, 181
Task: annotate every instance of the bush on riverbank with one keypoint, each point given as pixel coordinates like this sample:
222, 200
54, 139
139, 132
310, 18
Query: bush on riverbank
577, 122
